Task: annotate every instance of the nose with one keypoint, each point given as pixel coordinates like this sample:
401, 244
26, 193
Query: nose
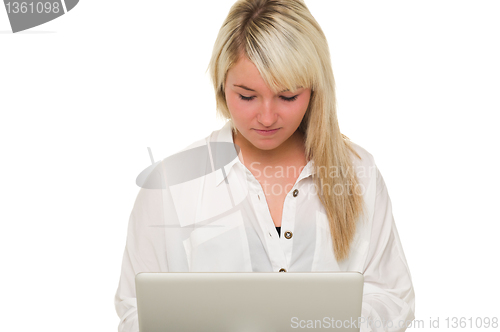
267, 115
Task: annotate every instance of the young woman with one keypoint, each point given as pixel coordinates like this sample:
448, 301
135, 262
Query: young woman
290, 194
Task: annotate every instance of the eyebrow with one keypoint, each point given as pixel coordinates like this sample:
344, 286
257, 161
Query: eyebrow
247, 88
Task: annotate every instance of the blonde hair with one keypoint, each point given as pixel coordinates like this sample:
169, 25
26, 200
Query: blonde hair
289, 49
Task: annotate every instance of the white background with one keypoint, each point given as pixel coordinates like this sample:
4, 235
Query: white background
83, 96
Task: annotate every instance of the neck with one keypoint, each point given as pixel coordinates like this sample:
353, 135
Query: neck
291, 152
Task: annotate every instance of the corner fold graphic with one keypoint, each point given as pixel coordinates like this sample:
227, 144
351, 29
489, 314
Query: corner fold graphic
27, 14
70, 4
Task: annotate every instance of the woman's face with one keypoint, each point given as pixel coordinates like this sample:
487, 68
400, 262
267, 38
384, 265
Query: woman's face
254, 108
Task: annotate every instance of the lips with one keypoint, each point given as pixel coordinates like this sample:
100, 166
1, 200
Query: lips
266, 132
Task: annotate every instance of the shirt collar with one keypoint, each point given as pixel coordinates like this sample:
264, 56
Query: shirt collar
307, 171
225, 135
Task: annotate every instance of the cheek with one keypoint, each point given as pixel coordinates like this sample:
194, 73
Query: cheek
232, 102
298, 111
237, 109
303, 106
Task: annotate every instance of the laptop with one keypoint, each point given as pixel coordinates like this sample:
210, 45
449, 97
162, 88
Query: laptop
249, 301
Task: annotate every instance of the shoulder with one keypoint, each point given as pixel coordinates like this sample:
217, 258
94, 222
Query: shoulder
177, 165
196, 144
366, 170
197, 159
367, 162
365, 159
219, 135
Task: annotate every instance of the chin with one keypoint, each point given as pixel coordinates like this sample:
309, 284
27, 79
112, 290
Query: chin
267, 146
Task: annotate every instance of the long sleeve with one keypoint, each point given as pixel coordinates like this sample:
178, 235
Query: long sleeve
144, 252
388, 295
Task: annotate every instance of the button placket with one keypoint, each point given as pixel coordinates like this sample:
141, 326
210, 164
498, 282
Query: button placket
276, 253
288, 226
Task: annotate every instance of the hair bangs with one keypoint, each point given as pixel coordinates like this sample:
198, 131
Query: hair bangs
281, 54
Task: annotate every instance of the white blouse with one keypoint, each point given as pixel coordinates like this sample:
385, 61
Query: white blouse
202, 210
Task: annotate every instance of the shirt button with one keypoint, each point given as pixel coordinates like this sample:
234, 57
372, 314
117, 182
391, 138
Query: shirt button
288, 234
282, 270
295, 192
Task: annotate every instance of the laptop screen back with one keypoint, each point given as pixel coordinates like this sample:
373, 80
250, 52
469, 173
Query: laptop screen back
255, 301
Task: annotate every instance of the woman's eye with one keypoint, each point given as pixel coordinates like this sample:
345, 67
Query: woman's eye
245, 98
282, 97
289, 99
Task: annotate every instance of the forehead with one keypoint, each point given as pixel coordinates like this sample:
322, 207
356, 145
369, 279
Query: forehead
245, 74
244, 69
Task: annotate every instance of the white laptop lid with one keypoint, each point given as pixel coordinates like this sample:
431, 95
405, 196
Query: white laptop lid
249, 301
